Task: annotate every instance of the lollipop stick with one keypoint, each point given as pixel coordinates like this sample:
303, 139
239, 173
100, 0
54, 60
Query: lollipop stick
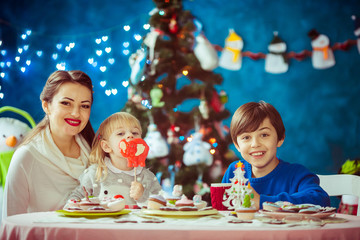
86, 194
135, 174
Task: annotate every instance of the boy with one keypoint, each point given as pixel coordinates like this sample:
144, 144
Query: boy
257, 130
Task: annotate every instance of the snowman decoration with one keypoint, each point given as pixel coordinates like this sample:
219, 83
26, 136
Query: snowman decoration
276, 60
157, 144
231, 58
322, 55
205, 53
12, 132
197, 151
357, 30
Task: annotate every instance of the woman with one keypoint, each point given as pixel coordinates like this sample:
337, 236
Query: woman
45, 168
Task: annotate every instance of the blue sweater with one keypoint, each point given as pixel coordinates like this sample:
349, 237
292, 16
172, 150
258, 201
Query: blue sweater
287, 182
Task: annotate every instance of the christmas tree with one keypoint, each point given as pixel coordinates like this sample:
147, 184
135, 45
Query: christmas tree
174, 64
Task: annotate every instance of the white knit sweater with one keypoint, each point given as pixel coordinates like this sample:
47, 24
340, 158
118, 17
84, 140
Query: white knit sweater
40, 177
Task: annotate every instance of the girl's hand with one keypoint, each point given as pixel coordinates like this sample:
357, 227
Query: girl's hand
136, 190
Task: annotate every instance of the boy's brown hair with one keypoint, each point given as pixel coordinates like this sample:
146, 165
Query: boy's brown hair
249, 116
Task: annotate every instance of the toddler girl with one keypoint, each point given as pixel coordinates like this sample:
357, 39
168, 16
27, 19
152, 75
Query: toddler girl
110, 173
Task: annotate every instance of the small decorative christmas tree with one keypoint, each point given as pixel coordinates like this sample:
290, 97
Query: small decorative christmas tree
239, 194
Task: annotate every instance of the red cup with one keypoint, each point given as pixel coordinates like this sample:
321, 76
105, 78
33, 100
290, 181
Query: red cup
217, 191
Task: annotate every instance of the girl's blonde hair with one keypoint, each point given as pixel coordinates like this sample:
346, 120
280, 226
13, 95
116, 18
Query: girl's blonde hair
107, 127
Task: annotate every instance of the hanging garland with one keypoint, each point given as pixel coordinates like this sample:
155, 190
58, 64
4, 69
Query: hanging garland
277, 59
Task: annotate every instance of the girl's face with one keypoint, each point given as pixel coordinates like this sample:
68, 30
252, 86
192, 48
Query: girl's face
69, 111
111, 145
259, 148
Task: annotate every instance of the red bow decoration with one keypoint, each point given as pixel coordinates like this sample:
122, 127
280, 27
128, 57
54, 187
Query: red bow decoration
135, 151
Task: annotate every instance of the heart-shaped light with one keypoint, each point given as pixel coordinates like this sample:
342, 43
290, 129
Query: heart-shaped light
126, 28
108, 92
103, 83
98, 40
98, 52
125, 83
108, 49
103, 68
90, 60
105, 38
114, 91
111, 60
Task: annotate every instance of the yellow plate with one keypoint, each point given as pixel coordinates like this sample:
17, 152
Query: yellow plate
92, 214
179, 213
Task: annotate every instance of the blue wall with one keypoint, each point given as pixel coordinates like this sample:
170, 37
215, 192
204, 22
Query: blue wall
320, 108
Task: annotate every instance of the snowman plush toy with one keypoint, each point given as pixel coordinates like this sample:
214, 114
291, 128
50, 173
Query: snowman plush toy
12, 132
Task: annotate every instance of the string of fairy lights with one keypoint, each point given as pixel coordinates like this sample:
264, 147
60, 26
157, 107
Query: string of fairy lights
100, 55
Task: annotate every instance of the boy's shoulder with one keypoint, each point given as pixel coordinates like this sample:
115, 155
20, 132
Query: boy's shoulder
293, 167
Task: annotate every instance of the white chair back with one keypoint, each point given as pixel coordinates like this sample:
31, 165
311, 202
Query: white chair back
341, 184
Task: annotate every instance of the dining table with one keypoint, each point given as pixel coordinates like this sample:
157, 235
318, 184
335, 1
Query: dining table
142, 224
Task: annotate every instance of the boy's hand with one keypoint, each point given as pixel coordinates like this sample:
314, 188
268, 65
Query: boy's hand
256, 198
136, 190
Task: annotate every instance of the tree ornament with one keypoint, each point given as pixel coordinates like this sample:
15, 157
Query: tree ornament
231, 57
172, 134
204, 109
156, 94
223, 97
173, 25
276, 60
137, 99
150, 41
137, 64
157, 144
197, 151
215, 102
357, 30
205, 53
322, 55
234, 197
